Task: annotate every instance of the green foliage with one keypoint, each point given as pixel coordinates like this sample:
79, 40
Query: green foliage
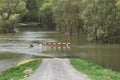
33, 24
13, 17
20, 72
21, 7
33, 7
99, 19
118, 4
46, 14
95, 72
10, 12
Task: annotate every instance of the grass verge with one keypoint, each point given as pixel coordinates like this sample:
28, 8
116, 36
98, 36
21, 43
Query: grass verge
95, 72
20, 72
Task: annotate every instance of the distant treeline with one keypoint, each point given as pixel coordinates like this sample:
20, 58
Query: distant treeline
99, 19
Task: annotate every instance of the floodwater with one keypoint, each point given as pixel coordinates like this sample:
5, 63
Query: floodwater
16, 47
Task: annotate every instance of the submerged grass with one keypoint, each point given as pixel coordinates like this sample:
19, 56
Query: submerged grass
95, 72
20, 72
33, 24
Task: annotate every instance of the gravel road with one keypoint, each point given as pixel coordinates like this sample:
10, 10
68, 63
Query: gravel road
57, 69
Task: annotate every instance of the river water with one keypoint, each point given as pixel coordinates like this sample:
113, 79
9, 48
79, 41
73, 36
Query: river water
16, 47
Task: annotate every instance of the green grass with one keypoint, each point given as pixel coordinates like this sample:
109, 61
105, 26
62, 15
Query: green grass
33, 24
95, 72
20, 72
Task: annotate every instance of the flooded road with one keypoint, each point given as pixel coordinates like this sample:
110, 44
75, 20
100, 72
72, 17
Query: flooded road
16, 47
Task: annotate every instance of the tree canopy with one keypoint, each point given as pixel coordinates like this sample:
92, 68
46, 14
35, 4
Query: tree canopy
100, 19
10, 12
33, 7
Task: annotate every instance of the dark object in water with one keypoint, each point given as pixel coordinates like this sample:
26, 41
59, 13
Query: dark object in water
31, 45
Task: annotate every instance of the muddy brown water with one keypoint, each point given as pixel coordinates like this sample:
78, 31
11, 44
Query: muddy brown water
16, 47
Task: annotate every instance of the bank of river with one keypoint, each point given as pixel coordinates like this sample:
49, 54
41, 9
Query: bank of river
94, 71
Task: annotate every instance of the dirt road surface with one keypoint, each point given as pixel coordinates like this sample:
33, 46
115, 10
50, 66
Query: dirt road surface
57, 69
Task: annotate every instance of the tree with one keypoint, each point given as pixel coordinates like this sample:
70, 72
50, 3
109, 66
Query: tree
100, 19
10, 13
46, 14
33, 7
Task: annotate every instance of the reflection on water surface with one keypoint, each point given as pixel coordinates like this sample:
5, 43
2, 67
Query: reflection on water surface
16, 47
